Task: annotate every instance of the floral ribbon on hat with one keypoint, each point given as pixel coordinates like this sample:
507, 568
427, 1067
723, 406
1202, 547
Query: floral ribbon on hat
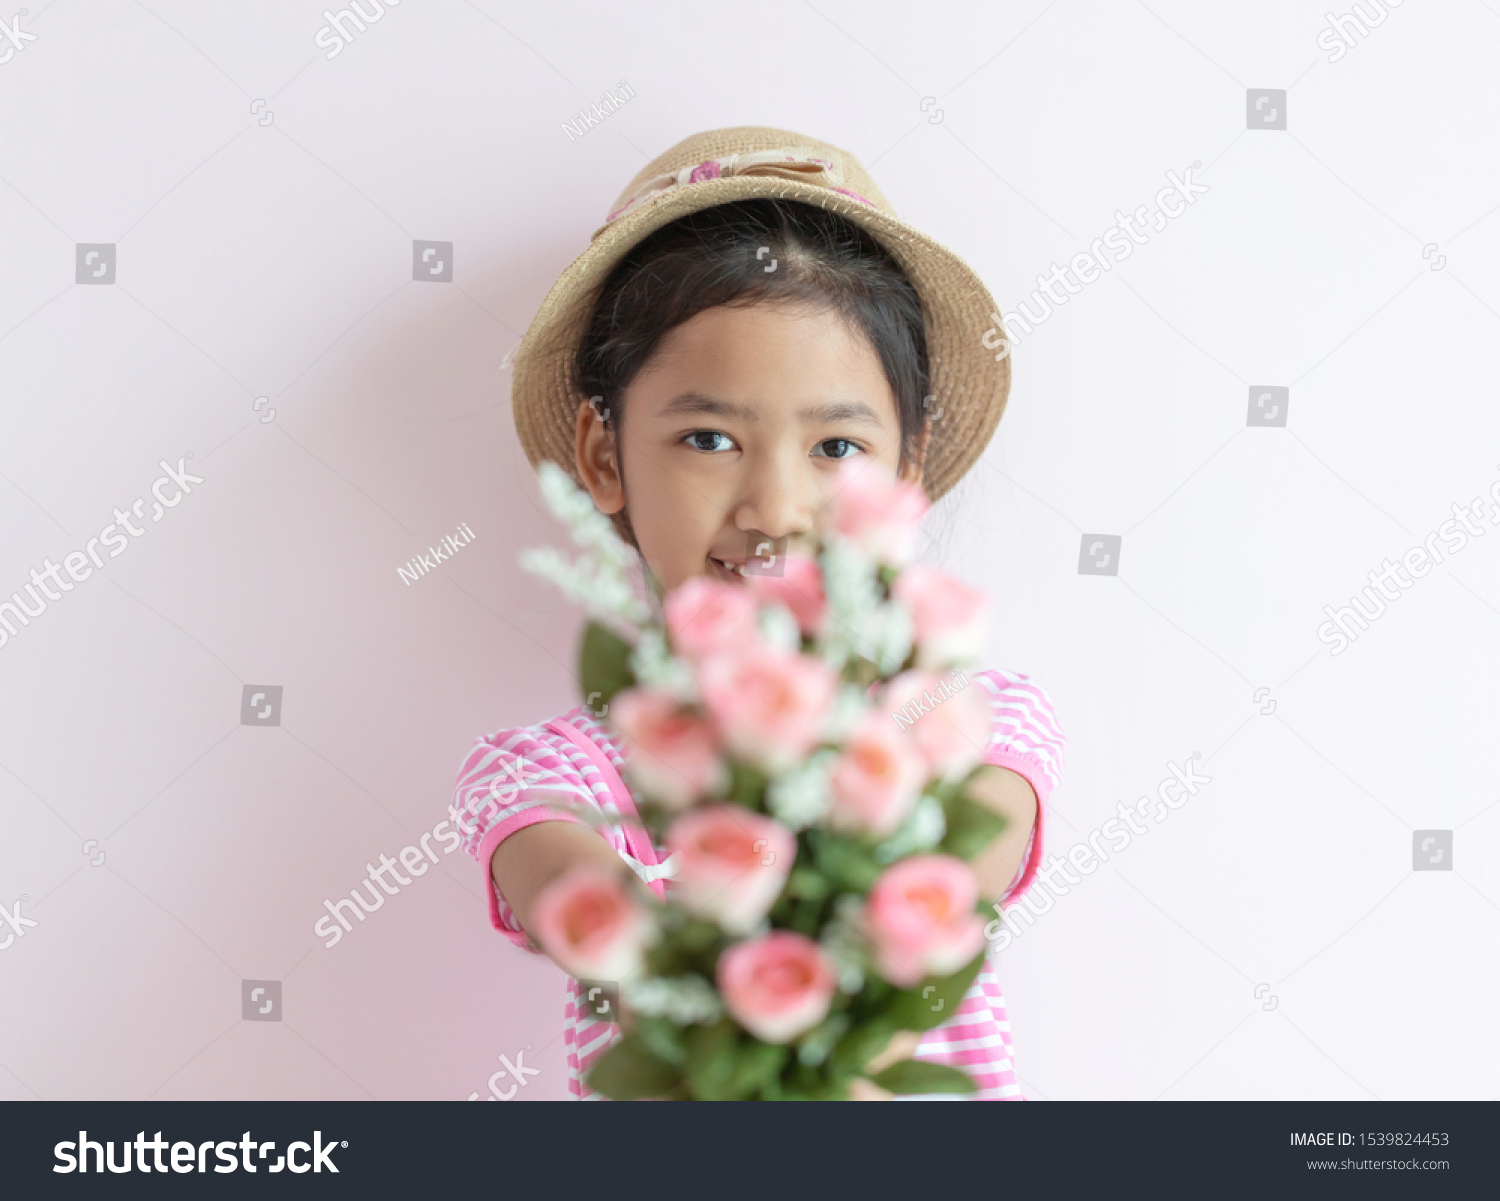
803, 167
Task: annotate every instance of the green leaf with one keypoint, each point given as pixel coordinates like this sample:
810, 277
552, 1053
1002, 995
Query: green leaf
933, 1000
865, 1041
971, 827
603, 665
807, 918
755, 1070
662, 1037
698, 934
814, 1046
807, 884
847, 865
911, 1076
710, 1056
666, 958
747, 786
629, 1072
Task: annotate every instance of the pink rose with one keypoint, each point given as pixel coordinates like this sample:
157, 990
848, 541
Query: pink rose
920, 917
769, 706
705, 615
670, 754
799, 588
591, 925
946, 716
731, 864
876, 779
950, 618
777, 986
876, 511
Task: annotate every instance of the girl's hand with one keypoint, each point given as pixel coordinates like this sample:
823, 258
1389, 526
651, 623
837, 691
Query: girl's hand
903, 1045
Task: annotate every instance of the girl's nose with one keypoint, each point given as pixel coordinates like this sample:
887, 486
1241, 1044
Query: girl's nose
780, 497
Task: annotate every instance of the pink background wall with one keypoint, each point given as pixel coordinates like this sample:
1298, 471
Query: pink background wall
274, 260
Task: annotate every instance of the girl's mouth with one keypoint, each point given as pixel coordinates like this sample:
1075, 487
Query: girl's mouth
725, 570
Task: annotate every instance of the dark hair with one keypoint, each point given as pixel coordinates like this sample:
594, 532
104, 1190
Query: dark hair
714, 257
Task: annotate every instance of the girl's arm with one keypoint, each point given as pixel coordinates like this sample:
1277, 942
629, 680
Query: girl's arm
1010, 795
1023, 765
531, 858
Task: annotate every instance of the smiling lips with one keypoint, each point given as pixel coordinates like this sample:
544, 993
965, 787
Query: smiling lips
727, 569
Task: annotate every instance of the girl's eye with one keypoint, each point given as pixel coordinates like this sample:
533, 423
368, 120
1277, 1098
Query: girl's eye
709, 440
835, 448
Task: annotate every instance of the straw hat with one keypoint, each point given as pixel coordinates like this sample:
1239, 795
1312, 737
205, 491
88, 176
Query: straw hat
969, 382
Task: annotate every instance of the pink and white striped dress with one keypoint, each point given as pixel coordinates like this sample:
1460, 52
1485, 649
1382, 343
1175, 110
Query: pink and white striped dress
576, 759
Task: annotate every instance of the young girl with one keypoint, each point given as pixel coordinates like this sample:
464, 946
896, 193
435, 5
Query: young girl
750, 316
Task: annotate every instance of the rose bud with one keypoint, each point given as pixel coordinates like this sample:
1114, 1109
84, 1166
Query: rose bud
876, 779
730, 864
952, 733
799, 588
770, 707
877, 512
776, 987
591, 925
920, 918
670, 753
950, 620
705, 615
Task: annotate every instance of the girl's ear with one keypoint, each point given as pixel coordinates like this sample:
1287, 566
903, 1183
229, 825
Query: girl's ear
598, 464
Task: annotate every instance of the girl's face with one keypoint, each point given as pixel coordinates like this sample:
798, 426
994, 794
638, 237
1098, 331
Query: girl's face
731, 434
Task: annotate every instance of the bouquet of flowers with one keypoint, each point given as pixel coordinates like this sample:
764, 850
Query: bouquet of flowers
800, 739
